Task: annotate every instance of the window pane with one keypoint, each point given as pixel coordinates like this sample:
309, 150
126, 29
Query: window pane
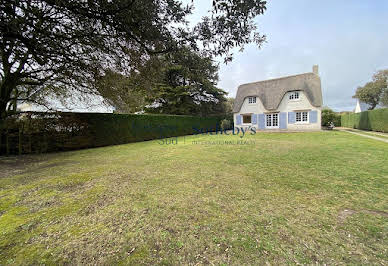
296, 96
246, 119
304, 117
275, 120
298, 117
269, 121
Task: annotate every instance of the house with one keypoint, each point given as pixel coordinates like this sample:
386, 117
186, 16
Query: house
287, 103
362, 106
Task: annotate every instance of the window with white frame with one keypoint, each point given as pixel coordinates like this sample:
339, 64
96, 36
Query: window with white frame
272, 120
301, 116
294, 95
251, 99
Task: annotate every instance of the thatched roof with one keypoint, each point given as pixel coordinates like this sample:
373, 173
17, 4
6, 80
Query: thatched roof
272, 91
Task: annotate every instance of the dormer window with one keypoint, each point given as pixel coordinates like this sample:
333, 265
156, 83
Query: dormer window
294, 95
251, 99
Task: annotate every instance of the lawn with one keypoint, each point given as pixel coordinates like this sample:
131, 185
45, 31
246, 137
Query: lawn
282, 198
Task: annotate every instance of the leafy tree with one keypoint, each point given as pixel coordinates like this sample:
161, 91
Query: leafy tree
375, 91
370, 94
381, 78
229, 105
121, 92
187, 85
54, 47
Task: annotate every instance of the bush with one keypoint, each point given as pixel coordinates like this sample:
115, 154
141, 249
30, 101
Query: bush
226, 124
329, 116
34, 132
375, 120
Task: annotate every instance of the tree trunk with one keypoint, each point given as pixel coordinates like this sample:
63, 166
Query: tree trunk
3, 115
372, 106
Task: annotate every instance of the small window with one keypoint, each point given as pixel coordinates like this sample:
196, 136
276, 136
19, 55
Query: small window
251, 99
301, 117
247, 119
294, 95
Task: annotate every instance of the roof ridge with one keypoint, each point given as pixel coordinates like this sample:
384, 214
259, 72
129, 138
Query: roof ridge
272, 91
267, 80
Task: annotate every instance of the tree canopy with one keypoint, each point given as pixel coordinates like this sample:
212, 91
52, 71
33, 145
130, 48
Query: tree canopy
187, 85
51, 47
375, 91
183, 82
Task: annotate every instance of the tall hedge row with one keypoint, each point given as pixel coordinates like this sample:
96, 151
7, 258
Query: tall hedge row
35, 132
375, 120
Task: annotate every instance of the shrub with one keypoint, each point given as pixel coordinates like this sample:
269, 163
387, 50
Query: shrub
226, 124
329, 116
375, 120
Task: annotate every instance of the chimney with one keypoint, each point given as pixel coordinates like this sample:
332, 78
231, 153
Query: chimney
315, 69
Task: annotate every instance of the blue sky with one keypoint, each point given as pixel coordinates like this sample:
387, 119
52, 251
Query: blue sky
348, 39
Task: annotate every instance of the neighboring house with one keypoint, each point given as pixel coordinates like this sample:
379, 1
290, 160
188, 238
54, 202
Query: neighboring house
287, 103
362, 106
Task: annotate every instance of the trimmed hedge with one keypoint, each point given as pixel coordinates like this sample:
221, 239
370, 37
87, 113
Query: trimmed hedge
375, 120
36, 132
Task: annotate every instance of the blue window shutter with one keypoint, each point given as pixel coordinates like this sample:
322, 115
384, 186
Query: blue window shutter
291, 117
313, 116
261, 121
238, 119
283, 120
254, 119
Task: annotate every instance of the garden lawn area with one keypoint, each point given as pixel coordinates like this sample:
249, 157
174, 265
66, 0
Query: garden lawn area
371, 133
281, 198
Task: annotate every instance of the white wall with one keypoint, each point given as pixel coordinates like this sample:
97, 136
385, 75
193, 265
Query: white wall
358, 107
286, 105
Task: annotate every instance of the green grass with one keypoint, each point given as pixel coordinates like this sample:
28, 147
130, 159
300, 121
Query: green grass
279, 198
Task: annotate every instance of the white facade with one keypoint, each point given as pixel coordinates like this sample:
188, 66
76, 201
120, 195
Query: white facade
289, 110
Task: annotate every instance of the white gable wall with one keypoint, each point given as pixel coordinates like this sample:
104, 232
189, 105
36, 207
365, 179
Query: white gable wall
358, 107
301, 104
286, 105
252, 108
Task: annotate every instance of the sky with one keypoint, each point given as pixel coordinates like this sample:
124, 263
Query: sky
348, 39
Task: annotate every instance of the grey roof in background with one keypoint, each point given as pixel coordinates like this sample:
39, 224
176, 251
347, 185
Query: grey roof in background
272, 91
